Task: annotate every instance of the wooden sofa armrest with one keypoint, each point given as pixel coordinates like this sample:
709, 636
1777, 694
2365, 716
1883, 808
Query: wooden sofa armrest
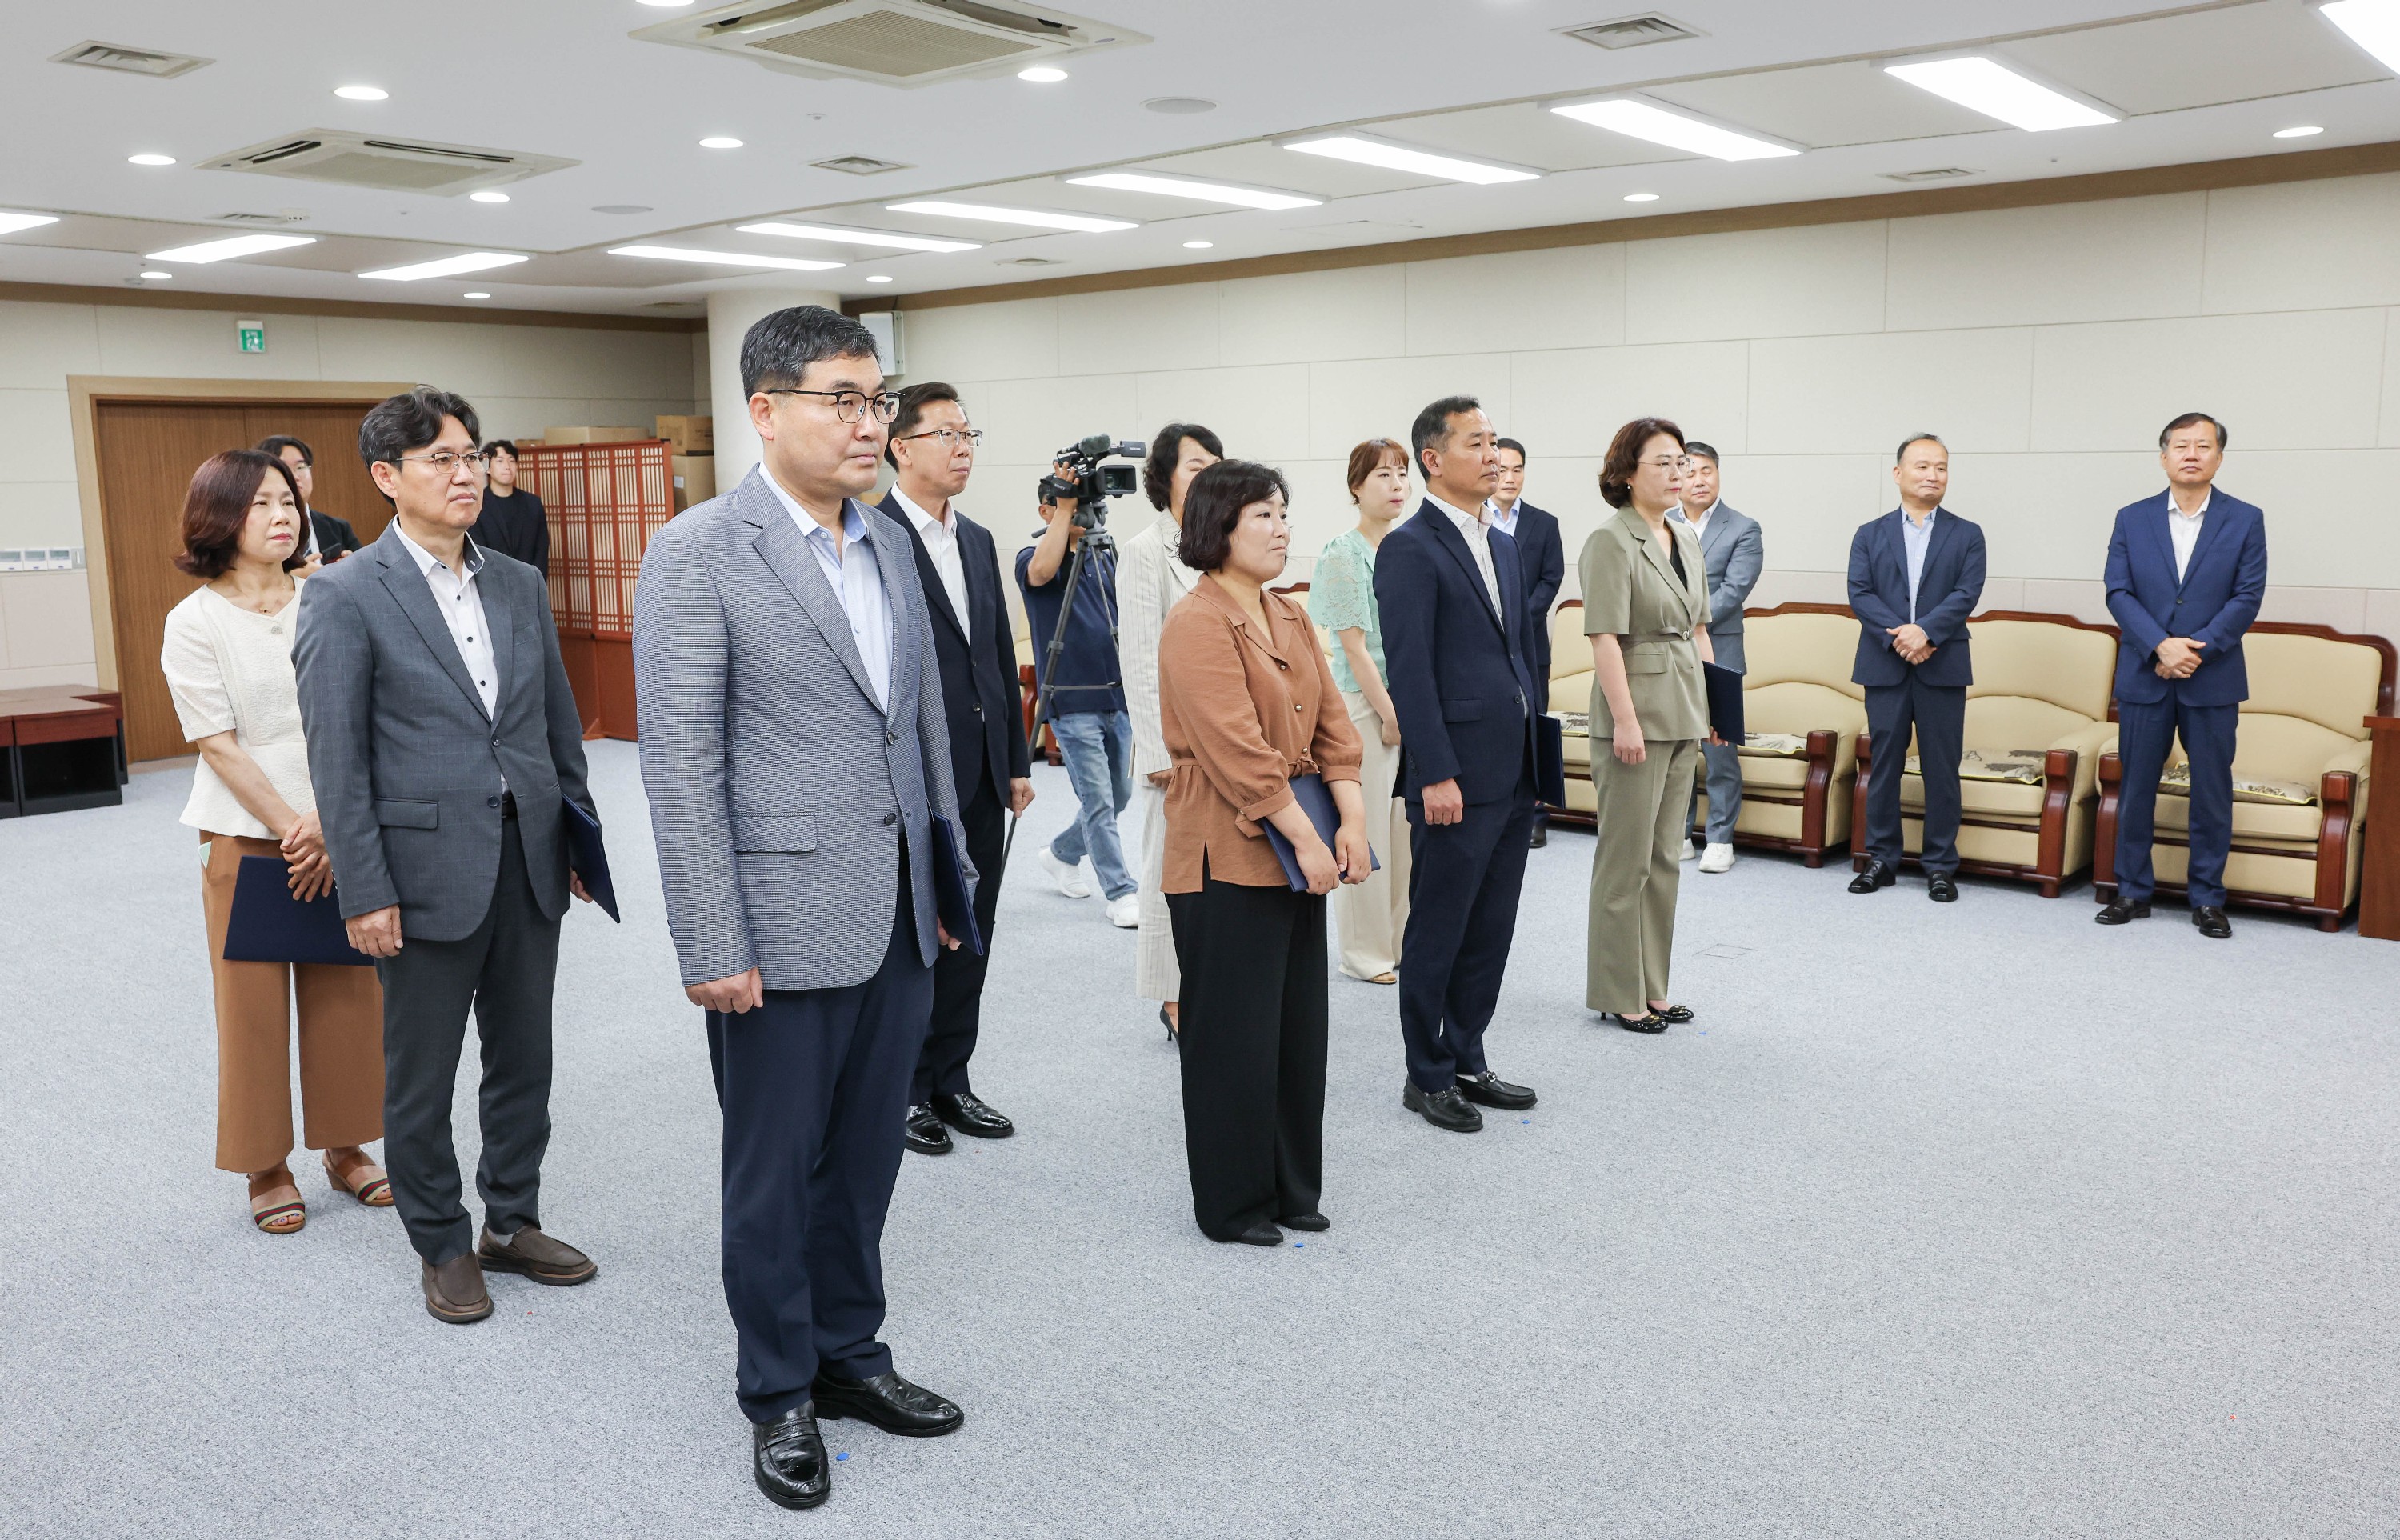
2104, 827
1824, 746
1859, 801
2337, 803
2058, 767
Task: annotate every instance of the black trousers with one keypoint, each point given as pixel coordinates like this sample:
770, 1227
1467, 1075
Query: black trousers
814, 1086
503, 973
1938, 713
1463, 887
1253, 1028
1542, 703
957, 976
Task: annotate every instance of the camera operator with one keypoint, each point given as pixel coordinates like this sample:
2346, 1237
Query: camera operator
1086, 703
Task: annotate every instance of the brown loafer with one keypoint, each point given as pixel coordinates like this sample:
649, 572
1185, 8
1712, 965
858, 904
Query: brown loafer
537, 1256
453, 1291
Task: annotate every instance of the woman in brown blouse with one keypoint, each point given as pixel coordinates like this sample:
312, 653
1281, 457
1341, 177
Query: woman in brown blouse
1246, 702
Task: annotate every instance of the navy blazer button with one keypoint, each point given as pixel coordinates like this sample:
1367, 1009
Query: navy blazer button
491, 801
890, 818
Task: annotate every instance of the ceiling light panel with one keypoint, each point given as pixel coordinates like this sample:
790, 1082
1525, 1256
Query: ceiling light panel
1201, 192
2372, 24
1392, 155
1039, 219
228, 250
723, 259
11, 222
1990, 88
1636, 119
471, 262
841, 236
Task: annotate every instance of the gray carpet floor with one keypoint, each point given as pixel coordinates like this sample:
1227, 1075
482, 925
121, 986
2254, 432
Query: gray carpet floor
1961, 1221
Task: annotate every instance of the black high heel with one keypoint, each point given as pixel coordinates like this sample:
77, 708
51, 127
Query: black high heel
1168, 1022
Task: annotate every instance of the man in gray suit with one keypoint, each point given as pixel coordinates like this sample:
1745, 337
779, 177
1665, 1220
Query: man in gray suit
441, 738
1734, 551
793, 748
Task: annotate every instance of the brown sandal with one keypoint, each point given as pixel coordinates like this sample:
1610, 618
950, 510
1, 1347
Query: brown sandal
278, 1209
364, 1180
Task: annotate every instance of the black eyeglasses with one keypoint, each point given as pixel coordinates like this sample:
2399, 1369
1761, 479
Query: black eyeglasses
951, 437
851, 405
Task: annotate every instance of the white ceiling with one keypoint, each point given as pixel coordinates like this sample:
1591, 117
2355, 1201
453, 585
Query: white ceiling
2197, 82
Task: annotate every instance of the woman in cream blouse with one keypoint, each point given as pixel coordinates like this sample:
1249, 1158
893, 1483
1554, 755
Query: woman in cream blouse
227, 658
1646, 607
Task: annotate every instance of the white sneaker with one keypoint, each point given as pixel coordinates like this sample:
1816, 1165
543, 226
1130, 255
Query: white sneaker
1070, 878
1688, 852
1717, 858
1125, 913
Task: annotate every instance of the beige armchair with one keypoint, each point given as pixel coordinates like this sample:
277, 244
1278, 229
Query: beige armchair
2038, 711
1798, 686
2310, 687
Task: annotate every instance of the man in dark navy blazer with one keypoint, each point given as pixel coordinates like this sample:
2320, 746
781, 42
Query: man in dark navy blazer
2186, 572
1542, 560
1916, 574
1457, 667
932, 452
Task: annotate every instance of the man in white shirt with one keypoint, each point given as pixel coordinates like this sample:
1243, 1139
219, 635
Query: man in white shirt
1733, 552
931, 453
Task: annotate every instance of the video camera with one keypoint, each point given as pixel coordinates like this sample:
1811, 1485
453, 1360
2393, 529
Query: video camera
1081, 477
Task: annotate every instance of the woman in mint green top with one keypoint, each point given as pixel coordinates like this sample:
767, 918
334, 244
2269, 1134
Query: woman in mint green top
1369, 915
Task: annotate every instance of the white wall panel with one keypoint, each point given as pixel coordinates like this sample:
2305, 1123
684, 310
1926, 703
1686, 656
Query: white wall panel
1859, 394
1380, 398
1026, 421
2048, 515
2304, 245
1573, 401
1170, 328
37, 442
1756, 283
1808, 506
200, 345
1573, 297
2295, 380
2138, 257
1013, 339
42, 344
1300, 317
1260, 413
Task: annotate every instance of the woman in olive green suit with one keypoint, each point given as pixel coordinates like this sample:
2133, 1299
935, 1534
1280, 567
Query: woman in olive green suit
1645, 606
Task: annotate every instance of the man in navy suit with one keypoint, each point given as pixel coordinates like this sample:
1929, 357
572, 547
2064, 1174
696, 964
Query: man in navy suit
1543, 560
932, 451
1916, 574
1459, 678
2186, 572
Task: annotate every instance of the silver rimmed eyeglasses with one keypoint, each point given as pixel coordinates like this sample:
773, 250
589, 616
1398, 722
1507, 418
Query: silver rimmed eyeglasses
950, 438
447, 464
850, 406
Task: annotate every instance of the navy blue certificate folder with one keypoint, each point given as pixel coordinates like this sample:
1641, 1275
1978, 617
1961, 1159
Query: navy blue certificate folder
1315, 800
952, 900
1549, 760
1724, 702
269, 925
588, 858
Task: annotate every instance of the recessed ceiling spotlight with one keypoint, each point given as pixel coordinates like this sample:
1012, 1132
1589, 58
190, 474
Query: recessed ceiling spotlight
1181, 106
1038, 219
1642, 197
481, 293
148, 159
470, 262
11, 222
1042, 75
1636, 119
154, 276
843, 236
361, 93
2302, 131
720, 142
487, 196
1204, 192
1990, 88
722, 259
878, 278
234, 246
2372, 24
1394, 157
1198, 245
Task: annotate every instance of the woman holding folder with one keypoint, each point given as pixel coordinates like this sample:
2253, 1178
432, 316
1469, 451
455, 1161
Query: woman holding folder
1248, 705
227, 659
1646, 607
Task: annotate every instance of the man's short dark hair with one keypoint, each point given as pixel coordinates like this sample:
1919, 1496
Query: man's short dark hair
913, 401
406, 423
275, 443
2190, 420
1900, 456
502, 446
778, 350
1705, 451
1166, 452
1213, 505
1522, 458
1433, 423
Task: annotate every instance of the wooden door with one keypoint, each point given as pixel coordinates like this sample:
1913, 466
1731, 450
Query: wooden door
148, 452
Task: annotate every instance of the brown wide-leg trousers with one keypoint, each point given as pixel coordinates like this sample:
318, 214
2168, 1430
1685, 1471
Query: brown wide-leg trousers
341, 1039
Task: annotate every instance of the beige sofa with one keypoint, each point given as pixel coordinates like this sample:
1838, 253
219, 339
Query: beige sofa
2039, 708
2310, 687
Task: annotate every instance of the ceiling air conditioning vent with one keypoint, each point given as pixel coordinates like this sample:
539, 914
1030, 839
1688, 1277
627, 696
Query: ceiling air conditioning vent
1030, 261
859, 165
115, 56
889, 42
289, 216
1936, 173
1631, 31
389, 165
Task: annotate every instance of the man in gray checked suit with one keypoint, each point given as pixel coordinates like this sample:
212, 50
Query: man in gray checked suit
441, 738
1734, 551
794, 749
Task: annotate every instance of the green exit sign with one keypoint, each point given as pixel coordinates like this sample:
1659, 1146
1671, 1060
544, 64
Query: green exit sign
252, 335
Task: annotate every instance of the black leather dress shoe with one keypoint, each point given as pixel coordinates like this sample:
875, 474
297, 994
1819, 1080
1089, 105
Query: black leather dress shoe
2211, 922
1541, 837
1489, 1090
2118, 912
1260, 1232
925, 1134
1942, 888
972, 1116
1311, 1221
1443, 1108
1878, 875
890, 1402
787, 1458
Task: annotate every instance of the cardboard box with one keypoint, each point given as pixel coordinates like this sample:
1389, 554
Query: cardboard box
689, 435
596, 435
695, 480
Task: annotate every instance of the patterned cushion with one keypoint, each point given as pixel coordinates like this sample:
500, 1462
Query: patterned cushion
2023, 767
2176, 781
1778, 745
